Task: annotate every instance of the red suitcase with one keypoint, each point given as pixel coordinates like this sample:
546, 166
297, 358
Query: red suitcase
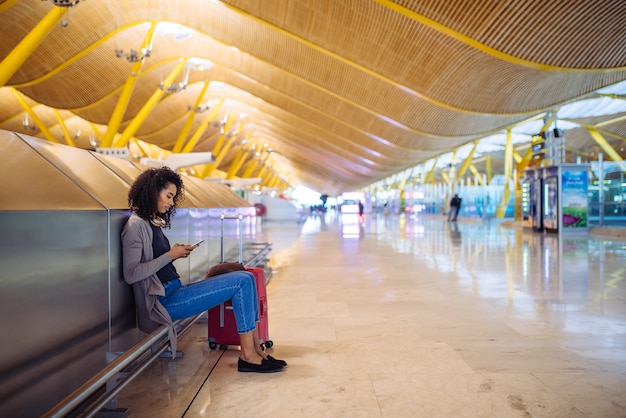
222, 325
221, 320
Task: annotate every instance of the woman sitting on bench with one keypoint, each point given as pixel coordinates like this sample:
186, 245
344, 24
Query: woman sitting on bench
160, 296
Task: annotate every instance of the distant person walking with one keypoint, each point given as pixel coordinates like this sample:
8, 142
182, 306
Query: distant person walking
455, 206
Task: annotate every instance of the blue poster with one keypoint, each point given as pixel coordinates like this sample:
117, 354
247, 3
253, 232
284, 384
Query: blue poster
574, 197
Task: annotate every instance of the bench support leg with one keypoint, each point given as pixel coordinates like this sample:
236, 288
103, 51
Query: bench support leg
168, 353
111, 410
117, 413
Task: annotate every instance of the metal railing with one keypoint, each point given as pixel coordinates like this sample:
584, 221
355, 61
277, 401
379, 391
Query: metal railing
132, 356
259, 251
89, 388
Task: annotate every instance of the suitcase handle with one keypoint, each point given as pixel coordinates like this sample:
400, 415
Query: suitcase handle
224, 216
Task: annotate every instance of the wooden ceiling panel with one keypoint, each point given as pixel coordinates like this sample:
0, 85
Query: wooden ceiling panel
452, 61
564, 33
349, 91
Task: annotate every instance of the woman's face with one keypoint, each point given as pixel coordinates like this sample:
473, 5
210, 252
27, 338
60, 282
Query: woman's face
166, 198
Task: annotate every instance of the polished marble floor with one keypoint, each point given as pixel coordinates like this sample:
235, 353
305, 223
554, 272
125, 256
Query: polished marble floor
417, 317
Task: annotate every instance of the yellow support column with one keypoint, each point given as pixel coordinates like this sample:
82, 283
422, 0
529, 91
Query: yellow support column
523, 164
467, 162
274, 183
477, 174
261, 156
134, 125
205, 123
263, 160
14, 60
270, 180
237, 163
430, 178
68, 137
96, 131
7, 5
127, 91
178, 146
221, 147
261, 172
144, 153
210, 168
606, 147
252, 165
42, 127
220, 141
489, 169
265, 177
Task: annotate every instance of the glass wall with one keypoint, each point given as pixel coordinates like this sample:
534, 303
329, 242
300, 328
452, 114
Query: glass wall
478, 201
607, 204
607, 198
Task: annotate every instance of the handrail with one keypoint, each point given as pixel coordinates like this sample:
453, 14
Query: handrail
73, 400
266, 248
81, 394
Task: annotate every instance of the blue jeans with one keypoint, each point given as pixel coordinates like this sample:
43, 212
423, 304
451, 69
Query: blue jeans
240, 286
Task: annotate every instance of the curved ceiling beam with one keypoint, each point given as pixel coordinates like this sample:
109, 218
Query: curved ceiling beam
147, 108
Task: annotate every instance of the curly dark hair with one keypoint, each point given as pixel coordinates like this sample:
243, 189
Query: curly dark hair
144, 192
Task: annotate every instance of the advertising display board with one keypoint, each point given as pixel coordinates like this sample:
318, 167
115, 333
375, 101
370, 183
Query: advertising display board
536, 204
550, 203
526, 186
557, 198
574, 200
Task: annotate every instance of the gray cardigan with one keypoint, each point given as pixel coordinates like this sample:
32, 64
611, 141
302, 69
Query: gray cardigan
140, 268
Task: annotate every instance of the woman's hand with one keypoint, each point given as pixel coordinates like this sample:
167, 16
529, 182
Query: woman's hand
180, 251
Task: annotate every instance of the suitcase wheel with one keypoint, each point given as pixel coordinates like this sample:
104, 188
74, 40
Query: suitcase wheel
269, 344
212, 345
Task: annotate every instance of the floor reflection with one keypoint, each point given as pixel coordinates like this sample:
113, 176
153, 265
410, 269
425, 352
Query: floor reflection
389, 316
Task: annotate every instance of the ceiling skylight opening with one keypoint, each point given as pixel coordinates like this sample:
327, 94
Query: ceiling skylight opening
499, 140
534, 127
199, 64
217, 85
618, 88
600, 106
178, 32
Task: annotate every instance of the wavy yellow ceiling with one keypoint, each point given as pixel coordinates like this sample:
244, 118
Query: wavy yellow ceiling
345, 92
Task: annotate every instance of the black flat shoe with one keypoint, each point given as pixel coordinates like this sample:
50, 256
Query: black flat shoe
266, 366
275, 360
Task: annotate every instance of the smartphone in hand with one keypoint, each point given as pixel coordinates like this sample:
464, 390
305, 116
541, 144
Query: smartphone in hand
197, 243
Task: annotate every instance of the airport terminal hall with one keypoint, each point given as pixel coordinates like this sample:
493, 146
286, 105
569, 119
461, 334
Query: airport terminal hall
322, 208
